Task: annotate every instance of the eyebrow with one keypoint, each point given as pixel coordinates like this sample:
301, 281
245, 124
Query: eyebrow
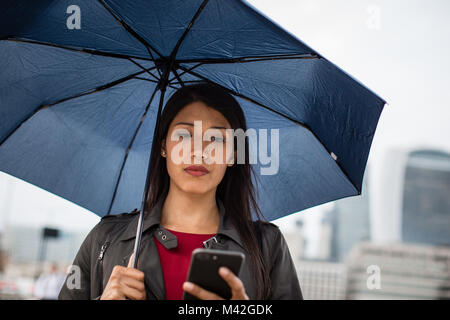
191, 124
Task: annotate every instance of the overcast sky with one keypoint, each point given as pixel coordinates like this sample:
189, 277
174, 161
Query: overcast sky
399, 49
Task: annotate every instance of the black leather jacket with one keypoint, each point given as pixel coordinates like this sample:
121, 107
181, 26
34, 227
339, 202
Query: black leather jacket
111, 243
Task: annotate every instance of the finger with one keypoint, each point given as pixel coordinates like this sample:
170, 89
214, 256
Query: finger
133, 283
112, 295
132, 293
236, 284
133, 273
199, 292
130, 261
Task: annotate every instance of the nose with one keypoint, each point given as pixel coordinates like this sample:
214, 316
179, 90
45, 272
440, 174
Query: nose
198, 153
197, 150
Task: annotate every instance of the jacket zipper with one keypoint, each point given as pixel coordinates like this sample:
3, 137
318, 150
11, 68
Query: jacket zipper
100, 264
100, 259
102, 250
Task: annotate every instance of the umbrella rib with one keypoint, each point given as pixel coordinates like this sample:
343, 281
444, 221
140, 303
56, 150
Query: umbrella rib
278, 113
129, 148
181, 82
170, 85
83, 50
143, 68
150, 80
241, 96
129, 29
188, 28
98, 89
251, 59
240, 60
189, 81
191, 68
153, 59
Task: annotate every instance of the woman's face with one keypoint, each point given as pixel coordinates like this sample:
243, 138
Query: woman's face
181, 152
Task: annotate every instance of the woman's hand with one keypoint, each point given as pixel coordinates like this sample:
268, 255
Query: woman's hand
125, 282
236, 285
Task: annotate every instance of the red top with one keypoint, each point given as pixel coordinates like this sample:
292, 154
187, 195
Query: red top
175, 262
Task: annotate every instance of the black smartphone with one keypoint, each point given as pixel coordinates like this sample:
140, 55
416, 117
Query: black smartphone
204, 270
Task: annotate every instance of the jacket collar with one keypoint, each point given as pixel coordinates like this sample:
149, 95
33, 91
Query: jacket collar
154, 217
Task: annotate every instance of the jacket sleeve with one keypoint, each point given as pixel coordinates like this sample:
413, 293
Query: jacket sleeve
77, 285
284, 281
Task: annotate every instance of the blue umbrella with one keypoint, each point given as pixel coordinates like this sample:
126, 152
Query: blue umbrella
83, 83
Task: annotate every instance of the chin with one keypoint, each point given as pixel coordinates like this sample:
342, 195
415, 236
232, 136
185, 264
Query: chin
197, 190
196, 187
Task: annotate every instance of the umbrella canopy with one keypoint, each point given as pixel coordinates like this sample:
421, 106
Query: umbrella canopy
82, 83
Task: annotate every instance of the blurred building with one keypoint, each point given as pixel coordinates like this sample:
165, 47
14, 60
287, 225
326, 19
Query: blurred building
23, 245
322, 280
405, 271
323, 276
413, 262
426, 198
346, 224
3, 261
295, 241
319, 280
412, 204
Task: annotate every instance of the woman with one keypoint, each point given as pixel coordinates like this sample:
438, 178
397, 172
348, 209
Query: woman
192, 203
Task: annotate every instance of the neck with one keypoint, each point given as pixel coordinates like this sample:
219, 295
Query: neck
188, 212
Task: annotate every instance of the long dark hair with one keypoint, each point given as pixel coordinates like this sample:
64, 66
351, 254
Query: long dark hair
236, 189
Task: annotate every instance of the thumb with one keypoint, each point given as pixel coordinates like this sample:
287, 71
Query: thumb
130, 262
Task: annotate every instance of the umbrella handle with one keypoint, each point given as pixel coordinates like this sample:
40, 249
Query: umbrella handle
162, 87
137, 241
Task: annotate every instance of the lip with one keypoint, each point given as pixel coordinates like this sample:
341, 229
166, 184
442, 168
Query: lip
196, 170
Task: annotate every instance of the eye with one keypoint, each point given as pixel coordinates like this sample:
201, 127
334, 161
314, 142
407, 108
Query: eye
217, 139
183, 134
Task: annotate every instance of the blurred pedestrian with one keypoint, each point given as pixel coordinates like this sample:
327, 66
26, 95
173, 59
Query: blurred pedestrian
49, 284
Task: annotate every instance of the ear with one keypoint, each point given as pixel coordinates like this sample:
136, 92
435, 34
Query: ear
163, 148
